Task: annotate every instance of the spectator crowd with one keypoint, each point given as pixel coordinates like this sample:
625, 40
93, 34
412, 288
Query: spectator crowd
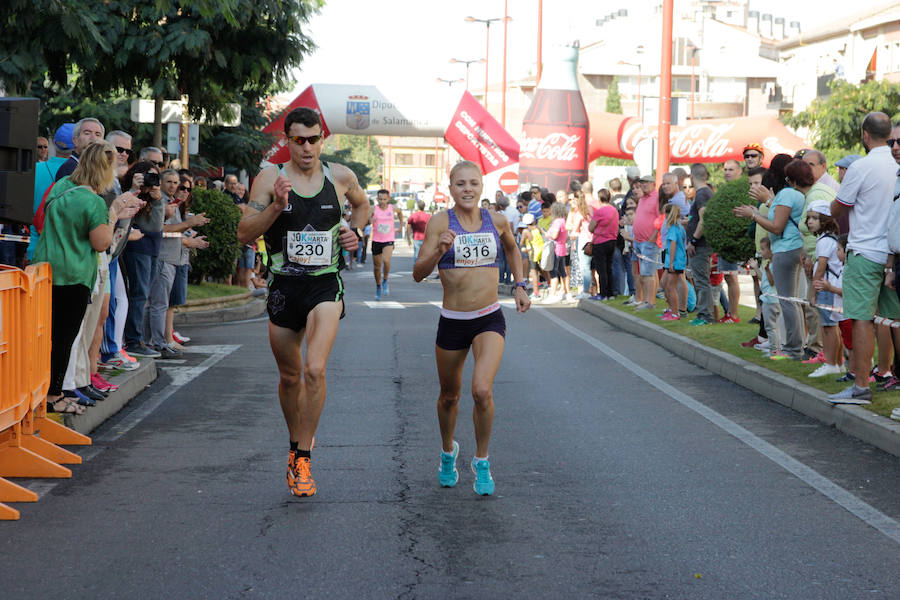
117, 228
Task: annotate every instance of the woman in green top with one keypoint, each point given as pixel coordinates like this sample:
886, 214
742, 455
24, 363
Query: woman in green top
77, 225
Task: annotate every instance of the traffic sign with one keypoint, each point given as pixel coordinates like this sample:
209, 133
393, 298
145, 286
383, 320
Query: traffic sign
173, 143
509, 182
173, 112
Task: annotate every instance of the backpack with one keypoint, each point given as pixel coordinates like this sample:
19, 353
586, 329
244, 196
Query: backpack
40, 216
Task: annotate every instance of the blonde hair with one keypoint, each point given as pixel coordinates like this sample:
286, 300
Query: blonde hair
673, 214
581, 203
96, 167
464, 164
558, 210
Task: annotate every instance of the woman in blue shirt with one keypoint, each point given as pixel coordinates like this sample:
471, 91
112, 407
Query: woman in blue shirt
786, 206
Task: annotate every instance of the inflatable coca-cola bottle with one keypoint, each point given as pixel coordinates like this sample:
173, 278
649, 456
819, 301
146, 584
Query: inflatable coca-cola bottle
554, 144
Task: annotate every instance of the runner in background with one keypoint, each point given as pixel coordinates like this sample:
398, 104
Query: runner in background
383, 233
415, 228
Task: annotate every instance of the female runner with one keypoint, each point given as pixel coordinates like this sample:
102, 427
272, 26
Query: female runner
462, 242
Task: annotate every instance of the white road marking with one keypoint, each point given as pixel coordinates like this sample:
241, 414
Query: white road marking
184, 376
812, 478
383, 304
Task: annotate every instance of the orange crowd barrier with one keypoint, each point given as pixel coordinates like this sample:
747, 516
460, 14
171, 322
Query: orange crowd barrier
28, 438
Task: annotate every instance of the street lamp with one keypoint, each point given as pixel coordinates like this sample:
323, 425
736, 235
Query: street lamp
638, 65
487, 48
449, 82
467, 63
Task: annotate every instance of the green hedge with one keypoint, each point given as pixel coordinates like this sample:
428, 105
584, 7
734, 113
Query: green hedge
725, 233
221, 232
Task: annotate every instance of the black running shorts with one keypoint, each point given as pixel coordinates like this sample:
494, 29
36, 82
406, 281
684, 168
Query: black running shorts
378, 247
457, 334
292, 298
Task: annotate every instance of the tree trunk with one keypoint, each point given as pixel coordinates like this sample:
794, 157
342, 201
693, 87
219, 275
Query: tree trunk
157, 121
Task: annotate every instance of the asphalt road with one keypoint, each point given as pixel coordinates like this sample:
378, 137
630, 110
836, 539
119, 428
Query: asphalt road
622, 472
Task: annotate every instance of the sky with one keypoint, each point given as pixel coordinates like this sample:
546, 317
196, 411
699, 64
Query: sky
408, 44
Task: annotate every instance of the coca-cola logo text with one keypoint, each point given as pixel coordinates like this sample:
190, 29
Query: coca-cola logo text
557, 146
698, 141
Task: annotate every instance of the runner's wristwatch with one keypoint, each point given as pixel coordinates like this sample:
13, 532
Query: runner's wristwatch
521, 284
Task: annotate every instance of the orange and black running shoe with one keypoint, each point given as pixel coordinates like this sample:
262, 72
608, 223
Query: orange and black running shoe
299, 477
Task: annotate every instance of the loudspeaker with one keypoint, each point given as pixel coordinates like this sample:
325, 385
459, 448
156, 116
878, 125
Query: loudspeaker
18, 135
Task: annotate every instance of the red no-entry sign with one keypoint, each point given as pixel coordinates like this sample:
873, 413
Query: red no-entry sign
509, 182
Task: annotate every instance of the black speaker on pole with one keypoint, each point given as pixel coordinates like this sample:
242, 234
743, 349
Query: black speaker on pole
18, 138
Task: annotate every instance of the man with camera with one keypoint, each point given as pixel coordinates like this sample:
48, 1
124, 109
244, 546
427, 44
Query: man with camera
297, 206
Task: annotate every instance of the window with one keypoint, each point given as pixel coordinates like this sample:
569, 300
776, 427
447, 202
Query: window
429, 160
403, 159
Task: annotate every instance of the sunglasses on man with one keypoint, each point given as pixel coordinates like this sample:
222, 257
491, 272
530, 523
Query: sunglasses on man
300, 139
42, 146
890, 142
751, 155
127, 151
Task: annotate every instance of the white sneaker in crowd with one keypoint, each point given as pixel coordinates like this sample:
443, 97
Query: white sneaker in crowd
826, 369
766, 345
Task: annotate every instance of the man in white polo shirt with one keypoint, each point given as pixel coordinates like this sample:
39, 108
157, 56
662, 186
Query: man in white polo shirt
867, 191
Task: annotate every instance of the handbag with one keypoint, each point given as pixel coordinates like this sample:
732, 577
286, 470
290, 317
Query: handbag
588, 249
548, 255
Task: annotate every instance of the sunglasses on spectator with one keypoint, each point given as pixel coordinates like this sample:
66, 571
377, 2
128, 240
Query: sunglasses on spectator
185, 188
751, 155
160, 164
42, 146
127, 151
890, 142
300, 139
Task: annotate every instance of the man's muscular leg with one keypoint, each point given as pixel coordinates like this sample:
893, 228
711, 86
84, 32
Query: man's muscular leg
302, 387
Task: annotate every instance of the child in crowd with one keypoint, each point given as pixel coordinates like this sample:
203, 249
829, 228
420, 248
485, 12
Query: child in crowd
676, 260
532, 242
630, 257
834, 285
771, 308
828, 268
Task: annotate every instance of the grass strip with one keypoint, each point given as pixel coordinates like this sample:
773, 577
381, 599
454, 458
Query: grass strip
728, 338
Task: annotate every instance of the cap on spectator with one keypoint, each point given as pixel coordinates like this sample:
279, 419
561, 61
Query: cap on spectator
522, 224
632, 173
823, 207
647, 179
63, 137
847, 160
528, 218
753, 146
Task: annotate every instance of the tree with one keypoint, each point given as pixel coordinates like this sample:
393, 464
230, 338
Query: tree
242, 147
728, 235
214, 51
613, 98
360, 149
836, 120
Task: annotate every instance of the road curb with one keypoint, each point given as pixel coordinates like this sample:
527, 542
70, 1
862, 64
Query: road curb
254, 308
131, 383
856, 421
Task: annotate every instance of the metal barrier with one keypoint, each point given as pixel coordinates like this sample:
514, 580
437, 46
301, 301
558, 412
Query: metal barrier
28, 438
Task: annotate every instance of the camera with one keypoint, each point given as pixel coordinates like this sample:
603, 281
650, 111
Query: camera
151, 179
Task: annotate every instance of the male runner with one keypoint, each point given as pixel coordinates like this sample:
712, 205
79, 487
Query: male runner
383, 234
297, 207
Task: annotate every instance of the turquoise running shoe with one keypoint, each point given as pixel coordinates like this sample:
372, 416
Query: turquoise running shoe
384, 288
484, 483
378, 292
447, 474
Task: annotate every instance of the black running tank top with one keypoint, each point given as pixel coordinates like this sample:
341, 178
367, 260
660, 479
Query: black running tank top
303, 240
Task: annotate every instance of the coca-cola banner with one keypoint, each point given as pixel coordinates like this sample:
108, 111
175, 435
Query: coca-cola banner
706, 140
478, 137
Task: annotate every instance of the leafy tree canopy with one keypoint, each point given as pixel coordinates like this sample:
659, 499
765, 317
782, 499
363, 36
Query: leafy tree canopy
836, 120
